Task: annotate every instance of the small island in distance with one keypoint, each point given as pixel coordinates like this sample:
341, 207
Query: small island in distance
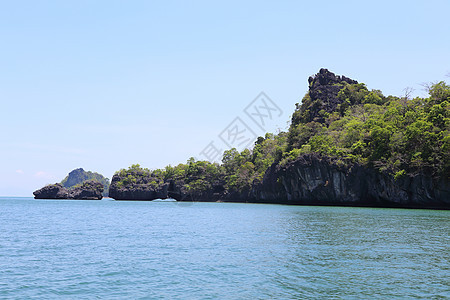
346, 145
78, 185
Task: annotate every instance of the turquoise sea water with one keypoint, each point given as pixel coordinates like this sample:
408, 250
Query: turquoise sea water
156, 250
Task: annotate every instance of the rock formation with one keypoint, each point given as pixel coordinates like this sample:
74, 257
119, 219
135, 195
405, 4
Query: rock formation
140, 187
78, 176
318, 180
323, 90
52, 191
358, 166
88, 190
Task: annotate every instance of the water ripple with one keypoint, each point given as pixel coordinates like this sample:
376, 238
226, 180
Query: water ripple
143, 250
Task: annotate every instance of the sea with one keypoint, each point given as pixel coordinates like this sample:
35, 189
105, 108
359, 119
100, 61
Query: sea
70, 249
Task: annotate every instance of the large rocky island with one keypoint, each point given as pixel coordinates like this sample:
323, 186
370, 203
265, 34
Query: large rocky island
346, 145
78, 184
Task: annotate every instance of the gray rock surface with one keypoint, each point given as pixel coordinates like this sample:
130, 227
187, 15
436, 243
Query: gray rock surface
313, 179
147, 188
88, 190
51, 191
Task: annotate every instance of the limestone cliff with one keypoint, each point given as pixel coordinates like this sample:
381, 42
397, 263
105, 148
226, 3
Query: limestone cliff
140, 187
346, 145
313, 179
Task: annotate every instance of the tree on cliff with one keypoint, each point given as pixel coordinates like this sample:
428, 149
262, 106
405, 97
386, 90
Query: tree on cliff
338, 118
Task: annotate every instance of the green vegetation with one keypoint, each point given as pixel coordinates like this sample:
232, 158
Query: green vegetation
79, 176
396, 135
138, 177
389, 133
243, 169
237, 173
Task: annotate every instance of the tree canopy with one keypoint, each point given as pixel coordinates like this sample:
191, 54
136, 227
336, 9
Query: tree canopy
391, 134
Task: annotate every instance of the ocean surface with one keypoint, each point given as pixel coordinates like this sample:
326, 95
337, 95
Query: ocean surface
165, 250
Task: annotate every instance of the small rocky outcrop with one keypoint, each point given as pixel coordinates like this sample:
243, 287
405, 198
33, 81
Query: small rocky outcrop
324, 88
322, 97
51, 191
88, 190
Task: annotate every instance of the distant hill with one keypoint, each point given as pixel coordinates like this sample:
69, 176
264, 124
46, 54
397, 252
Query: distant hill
78, 176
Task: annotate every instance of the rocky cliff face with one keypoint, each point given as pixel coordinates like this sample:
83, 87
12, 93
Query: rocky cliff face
324, 88
145, 188
88, 190
142, 189
52, 191
317, 180
322, 97
178, 191
311, 180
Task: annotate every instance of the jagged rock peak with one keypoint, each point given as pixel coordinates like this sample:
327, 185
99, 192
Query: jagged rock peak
325, 77
78, 176
77, 171
322, 97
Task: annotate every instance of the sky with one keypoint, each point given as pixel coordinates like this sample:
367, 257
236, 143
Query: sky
105, 84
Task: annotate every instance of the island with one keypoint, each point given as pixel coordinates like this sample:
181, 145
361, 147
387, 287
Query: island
78, 184
346, 145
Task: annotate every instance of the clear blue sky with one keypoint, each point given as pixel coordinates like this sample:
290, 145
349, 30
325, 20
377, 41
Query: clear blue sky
104, 84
